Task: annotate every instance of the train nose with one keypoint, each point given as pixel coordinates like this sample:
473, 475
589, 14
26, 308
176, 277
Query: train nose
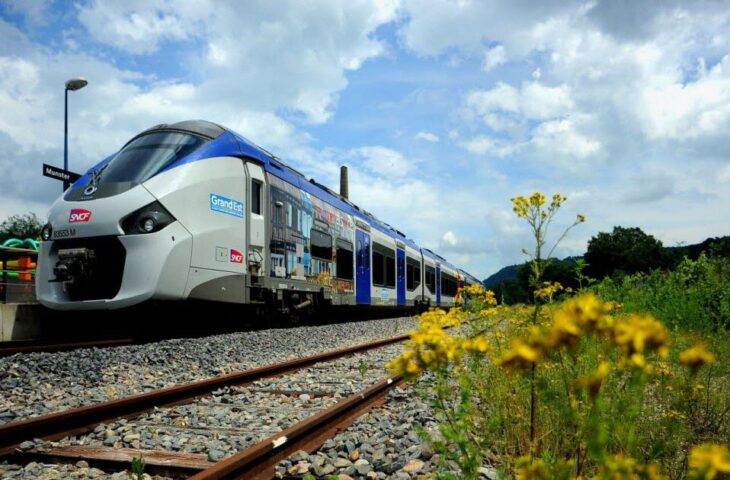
112, 252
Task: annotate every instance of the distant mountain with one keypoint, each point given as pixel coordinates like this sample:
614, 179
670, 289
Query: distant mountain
507, 274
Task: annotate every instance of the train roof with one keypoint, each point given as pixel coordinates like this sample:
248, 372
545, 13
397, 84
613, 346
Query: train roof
224, 141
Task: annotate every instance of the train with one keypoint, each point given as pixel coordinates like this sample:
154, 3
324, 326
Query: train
194, 211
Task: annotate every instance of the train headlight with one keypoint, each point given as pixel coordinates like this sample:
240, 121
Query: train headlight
47, 232
148, 225
150, 218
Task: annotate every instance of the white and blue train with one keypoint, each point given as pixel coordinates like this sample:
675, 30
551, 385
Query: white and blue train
193, 210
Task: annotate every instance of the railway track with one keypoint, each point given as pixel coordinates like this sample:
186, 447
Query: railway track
308, 414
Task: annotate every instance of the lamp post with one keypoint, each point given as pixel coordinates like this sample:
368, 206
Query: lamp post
73, 85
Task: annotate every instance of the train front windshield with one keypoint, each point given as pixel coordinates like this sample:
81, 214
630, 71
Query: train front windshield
138, 161
148, 155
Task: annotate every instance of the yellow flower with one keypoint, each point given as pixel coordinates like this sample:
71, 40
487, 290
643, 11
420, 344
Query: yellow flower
593, 382
620, 467
638, 360
565, 331
537, 199
707, 461
558, 199
479, 293
520, 355
576, 317
532, 470
696, 356
581, 218
637, 333
663, 370
548, 290
521, 206
475, 345
430, 346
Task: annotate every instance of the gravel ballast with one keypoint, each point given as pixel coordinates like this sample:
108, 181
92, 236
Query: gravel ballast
38, 383
384, 443
232, 418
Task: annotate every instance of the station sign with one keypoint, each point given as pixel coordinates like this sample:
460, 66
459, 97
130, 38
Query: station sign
60, 174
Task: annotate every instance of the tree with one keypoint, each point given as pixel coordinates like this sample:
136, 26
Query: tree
23, 226
624, 251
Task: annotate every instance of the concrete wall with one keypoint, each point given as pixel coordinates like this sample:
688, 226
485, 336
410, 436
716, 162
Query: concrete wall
19, 322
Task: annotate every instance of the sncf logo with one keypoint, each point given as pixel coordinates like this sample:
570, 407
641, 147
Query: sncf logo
236, 256
79, 215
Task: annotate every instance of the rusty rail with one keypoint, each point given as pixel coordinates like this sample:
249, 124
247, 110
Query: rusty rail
260, 460
83, 419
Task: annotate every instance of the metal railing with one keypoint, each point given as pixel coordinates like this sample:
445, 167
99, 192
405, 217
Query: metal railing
17, 275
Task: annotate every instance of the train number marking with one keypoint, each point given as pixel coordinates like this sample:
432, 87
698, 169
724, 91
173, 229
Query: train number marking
64, 233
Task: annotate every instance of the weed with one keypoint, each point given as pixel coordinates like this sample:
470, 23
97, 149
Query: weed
138, 466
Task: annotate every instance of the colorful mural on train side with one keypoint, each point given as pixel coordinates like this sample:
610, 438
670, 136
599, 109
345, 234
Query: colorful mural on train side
306, 236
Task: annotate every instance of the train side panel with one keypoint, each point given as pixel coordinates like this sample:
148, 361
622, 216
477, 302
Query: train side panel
208, 197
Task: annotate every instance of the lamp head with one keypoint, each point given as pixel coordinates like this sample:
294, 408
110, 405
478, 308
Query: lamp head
76, 84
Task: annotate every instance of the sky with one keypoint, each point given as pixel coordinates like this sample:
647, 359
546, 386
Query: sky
442, 110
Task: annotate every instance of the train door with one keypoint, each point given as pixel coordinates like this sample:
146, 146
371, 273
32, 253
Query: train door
438, 285
401, 276
362, 276
256, 251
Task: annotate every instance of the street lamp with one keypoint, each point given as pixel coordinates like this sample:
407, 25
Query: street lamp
73, 85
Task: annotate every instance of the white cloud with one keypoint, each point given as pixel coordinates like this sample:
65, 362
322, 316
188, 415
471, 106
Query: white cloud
689, 110
533, 115
482, 145
533, 100
560, 139
384, 161
427, 136
266, 56
449, 238
494, 57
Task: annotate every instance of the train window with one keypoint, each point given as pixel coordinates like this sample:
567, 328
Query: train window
448, 285
321, 245
367, 254
413, 274
344, 259
256, 188
431, 279
378, 271
390, 271
384, 264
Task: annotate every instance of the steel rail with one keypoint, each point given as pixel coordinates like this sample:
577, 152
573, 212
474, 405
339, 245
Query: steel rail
83, 419
260, 460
